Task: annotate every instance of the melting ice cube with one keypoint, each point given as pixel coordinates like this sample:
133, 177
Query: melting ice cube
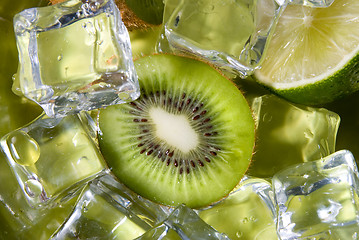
247, 213
289, 134
52, 157
319, 199
74, 56
183, 223
108, 210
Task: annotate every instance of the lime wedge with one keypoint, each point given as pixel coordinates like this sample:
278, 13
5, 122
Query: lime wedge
313, 55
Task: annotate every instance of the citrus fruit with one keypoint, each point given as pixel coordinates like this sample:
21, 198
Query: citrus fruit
313, 54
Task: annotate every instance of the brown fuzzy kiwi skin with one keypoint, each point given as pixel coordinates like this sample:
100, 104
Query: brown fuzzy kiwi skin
129, 18
56, 1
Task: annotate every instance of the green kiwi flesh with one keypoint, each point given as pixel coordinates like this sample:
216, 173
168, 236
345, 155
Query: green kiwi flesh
188, 138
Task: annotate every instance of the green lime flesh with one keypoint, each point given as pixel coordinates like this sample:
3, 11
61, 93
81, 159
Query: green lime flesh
165, 172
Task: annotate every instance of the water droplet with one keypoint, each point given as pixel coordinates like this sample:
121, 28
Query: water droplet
66, 70
81, 159
85, 206
90, 28
33, 188
267, 117
209, 8
24, 149
308, 134
59, 58
94, 6
245, 220
104, 85
205, 6
239, 234
124, 96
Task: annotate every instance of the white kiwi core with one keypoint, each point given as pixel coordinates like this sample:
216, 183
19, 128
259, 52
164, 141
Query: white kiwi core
174, 129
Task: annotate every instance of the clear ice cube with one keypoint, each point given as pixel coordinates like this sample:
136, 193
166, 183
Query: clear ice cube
52, 157
108, 210
289, 134
231, 34
161, 232
312, 3
18, 219
74, 56
317, 199
247, 213
146, 210
183, 223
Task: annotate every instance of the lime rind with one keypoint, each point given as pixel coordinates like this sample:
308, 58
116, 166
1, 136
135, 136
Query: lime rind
340, 84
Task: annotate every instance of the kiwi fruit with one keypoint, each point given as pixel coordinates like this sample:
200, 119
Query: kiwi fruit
188, 138
150, 11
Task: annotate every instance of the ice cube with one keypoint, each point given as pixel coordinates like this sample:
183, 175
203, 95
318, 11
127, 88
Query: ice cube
320, 198
189, 225
146, 210
108, 210
21, 221
52, 157
74, 56
161, 232
231, 34
312, 3
183, 223
247, 213
289, 134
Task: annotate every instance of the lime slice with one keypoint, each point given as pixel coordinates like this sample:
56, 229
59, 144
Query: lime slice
313, 55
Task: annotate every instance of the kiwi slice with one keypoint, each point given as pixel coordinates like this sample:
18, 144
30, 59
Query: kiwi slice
189, 137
